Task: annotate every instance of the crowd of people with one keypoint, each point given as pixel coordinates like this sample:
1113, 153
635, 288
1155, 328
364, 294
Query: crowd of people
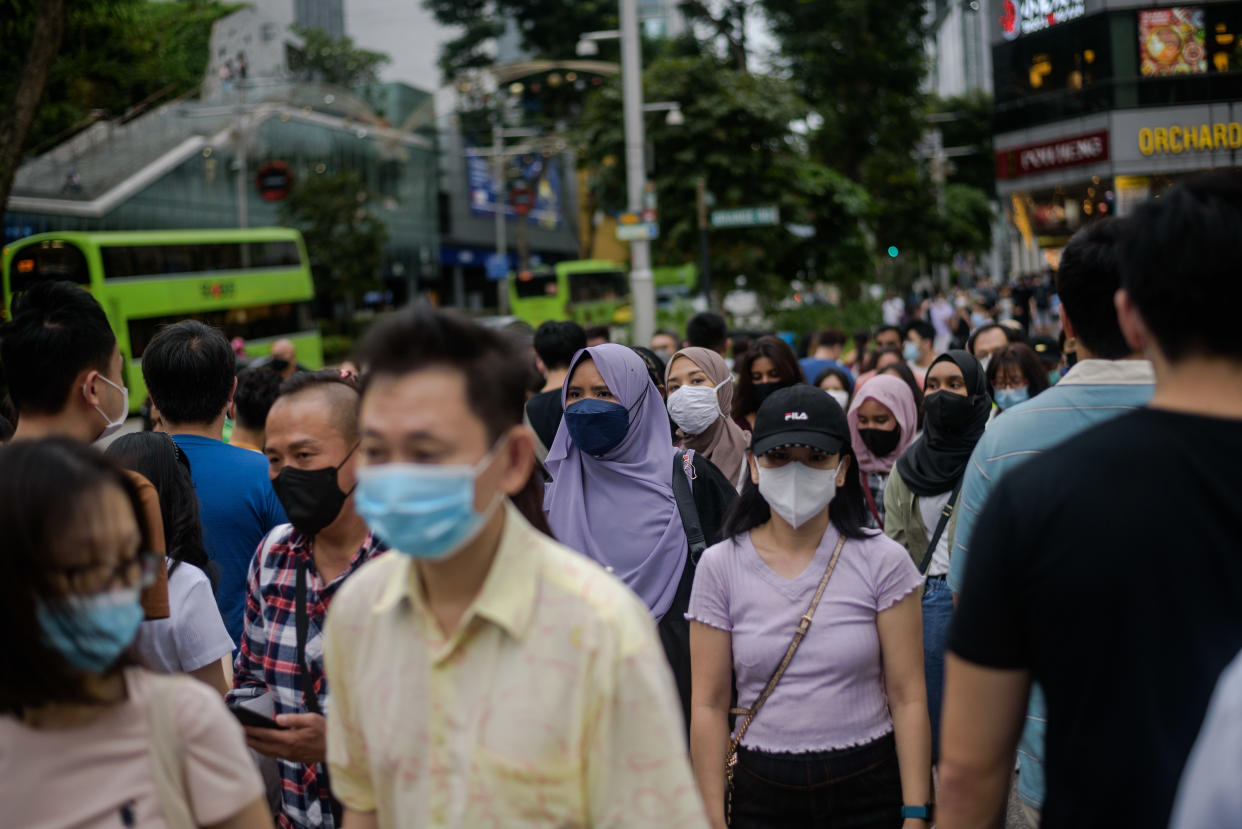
726, 580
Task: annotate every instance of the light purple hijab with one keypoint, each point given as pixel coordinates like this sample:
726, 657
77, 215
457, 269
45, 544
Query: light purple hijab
619, 509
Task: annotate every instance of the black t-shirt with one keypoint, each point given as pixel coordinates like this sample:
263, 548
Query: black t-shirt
544, 411
1111, 568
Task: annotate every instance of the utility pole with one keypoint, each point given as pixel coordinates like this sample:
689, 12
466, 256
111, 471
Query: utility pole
498, 177
705, 250
642, 285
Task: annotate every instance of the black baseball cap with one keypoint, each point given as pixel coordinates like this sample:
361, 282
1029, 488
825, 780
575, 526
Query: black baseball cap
800, 415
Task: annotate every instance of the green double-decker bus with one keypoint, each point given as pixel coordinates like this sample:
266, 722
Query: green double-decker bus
597, 292
252, 283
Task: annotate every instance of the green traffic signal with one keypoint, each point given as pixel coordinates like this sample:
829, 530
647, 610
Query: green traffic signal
892, 251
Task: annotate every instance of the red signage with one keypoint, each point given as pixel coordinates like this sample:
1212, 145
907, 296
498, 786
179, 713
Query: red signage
274, 180
522, 197
1055, 155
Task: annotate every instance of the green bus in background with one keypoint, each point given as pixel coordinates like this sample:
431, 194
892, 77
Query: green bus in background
597, 292
253, 283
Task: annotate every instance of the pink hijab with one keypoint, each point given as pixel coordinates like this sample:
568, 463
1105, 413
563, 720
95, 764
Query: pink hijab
892, 393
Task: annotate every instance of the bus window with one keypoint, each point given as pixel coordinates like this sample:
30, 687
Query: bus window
52, 259
121, 261
540, 284
253, 323
598, 286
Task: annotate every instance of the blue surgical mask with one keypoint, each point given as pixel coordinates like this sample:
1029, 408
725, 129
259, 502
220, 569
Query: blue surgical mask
910, 351
92, 631
423, 510
597, 426
1008, 398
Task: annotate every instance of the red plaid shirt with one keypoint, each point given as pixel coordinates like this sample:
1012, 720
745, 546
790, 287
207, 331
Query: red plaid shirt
267, 658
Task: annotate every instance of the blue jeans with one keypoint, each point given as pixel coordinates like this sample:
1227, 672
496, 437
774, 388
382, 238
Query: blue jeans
937, 614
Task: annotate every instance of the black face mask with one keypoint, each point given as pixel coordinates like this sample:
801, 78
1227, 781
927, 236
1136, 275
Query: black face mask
880, 442
311, 497
762, 390
950, 413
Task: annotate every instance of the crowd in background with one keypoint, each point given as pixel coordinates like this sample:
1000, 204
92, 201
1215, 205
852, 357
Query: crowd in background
723, 578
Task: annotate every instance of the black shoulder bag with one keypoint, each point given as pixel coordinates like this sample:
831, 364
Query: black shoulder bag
308, 684
683, 470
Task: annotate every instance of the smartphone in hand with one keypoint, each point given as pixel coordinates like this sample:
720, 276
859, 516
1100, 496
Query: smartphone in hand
257, 713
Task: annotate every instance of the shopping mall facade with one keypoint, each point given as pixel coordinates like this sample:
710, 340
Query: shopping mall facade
1101, 104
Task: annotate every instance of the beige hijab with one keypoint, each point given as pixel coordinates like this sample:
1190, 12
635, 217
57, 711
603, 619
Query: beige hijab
723, 443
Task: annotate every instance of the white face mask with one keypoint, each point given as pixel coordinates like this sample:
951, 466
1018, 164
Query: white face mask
111, 426
985, 362
695, 408
797, 492
840, 395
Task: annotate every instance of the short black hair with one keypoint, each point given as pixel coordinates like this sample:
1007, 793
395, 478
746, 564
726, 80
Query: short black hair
1010, 335
189, 369
556, 343
923, 328
44, 487
830, 337
707, 330
421, 337
1179, 266
343, 387
599, 332
666, 332
884, 328
1087, 280
257, 389
57, 330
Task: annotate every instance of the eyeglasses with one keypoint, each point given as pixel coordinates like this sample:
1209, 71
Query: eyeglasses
140, 570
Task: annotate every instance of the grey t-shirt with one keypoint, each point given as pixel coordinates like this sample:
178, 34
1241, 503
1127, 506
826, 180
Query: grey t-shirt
832, 694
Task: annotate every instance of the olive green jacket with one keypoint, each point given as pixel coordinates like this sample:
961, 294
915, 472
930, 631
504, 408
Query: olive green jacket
902, 521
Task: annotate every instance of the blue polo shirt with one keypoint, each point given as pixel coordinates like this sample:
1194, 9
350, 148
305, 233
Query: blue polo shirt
1093, 391
237, 507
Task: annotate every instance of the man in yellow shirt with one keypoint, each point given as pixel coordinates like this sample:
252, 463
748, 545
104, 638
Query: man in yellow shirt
483, 675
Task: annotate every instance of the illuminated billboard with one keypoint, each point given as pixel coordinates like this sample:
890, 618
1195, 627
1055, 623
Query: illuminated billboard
1172, 42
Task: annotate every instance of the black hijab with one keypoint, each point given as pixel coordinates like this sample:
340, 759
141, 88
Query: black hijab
937, 461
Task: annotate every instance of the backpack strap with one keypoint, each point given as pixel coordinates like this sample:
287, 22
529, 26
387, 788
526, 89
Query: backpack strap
683, 473
166, 751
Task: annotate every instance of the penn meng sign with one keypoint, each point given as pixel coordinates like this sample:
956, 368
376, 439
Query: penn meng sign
1192, 138
1053, 155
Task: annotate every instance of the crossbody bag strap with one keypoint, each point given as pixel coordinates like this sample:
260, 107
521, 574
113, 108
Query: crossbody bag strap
945, 515
300, 616
866, 488
804, 624
683, 471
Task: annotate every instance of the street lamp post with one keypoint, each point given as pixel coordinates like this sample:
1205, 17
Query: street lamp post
642, 285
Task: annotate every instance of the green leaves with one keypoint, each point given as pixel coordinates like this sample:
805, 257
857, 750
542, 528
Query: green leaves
344, 237
338, 61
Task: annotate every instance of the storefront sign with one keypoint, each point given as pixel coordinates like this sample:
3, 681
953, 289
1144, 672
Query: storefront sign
1067, 152
1189, 138
1022, 17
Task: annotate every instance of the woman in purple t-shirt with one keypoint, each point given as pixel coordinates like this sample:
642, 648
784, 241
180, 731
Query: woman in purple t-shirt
843, 739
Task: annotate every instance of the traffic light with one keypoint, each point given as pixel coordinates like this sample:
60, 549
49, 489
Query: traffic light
893, 252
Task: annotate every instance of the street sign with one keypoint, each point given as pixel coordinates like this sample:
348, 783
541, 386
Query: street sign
497, 266
747, 217
638, 232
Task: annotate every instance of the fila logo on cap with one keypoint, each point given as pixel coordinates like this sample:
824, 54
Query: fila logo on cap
795, 416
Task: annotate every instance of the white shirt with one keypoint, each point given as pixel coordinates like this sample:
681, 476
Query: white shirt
194, 635
930, 507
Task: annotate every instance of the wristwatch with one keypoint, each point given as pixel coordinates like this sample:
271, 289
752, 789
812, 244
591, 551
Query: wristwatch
923, 812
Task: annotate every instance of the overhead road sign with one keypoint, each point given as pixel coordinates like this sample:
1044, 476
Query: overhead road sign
747, 217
